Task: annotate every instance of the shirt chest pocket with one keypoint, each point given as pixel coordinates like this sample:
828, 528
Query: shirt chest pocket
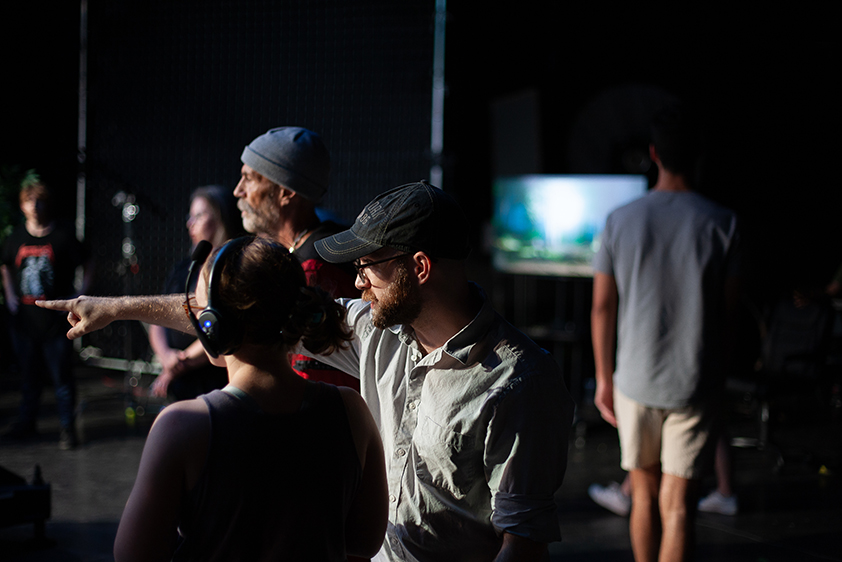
446, 459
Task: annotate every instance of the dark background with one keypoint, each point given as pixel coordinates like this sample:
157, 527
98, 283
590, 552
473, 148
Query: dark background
762, 78
176, 89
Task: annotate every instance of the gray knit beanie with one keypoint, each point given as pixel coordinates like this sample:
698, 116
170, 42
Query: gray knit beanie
292, 157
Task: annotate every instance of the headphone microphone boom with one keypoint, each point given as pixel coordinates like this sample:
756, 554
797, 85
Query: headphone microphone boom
200, 254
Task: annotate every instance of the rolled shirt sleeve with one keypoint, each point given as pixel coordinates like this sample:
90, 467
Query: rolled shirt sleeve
526, 453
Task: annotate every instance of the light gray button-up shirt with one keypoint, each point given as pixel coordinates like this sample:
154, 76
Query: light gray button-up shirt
475, 434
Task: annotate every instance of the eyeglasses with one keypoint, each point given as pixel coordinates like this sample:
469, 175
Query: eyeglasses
360, 267
197, 217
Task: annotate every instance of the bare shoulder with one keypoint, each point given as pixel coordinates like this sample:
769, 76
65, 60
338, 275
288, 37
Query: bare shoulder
351, 397
355, 406
181, 420
183, 410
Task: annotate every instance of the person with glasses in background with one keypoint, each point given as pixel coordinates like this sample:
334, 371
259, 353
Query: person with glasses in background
185, 369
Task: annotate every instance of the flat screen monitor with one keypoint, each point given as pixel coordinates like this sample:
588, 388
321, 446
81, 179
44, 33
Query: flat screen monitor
551, 224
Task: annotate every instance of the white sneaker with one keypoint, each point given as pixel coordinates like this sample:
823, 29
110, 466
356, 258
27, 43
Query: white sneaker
717, 503
611, 497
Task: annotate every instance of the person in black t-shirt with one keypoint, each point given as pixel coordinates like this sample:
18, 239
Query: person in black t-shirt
39, 259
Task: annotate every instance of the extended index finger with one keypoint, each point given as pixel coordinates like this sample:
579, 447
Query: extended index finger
54, 305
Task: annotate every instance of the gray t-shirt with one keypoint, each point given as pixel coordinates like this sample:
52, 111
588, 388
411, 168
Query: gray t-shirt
670, 254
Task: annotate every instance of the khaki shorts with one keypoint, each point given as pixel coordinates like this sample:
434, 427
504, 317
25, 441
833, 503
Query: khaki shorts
681, 440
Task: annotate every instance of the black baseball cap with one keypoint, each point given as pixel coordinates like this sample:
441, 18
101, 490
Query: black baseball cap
411, 218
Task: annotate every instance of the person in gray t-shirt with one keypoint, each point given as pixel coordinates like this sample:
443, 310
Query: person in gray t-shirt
666, 276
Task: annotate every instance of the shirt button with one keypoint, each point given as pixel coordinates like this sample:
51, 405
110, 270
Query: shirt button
412, 405
393, 499
401, 452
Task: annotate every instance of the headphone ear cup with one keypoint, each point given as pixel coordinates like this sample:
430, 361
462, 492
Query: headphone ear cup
210, 322
219, 331
222, 335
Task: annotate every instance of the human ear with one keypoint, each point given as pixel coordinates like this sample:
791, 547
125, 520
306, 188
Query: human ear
423, 265
284, 196
653, 154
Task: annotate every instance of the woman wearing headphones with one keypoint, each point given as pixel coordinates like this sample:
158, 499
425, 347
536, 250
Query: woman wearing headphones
273, 466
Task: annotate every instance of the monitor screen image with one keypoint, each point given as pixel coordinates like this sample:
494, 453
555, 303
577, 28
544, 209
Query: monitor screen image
551, 224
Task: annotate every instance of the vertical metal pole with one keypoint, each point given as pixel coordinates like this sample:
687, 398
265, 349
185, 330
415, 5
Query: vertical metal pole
81, 140
437, 125
81, 137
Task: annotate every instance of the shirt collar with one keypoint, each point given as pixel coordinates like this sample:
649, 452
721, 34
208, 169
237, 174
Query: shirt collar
462, 344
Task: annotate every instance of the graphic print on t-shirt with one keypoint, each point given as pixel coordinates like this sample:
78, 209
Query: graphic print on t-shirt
35, 264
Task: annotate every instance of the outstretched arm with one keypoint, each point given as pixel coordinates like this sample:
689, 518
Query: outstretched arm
89, 314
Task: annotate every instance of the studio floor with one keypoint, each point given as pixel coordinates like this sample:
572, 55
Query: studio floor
790, 495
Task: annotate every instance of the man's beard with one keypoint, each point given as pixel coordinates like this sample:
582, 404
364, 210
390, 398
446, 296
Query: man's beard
400, 303
263, 219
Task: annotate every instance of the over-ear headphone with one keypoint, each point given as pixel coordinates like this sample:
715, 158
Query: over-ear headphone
219, 335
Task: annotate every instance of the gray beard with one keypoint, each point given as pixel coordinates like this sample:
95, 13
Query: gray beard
259, 222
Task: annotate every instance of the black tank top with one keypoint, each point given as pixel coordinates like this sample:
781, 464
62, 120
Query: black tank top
274, 487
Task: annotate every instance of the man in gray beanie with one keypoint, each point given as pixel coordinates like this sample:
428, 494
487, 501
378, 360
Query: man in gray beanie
293, 157
284, 176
